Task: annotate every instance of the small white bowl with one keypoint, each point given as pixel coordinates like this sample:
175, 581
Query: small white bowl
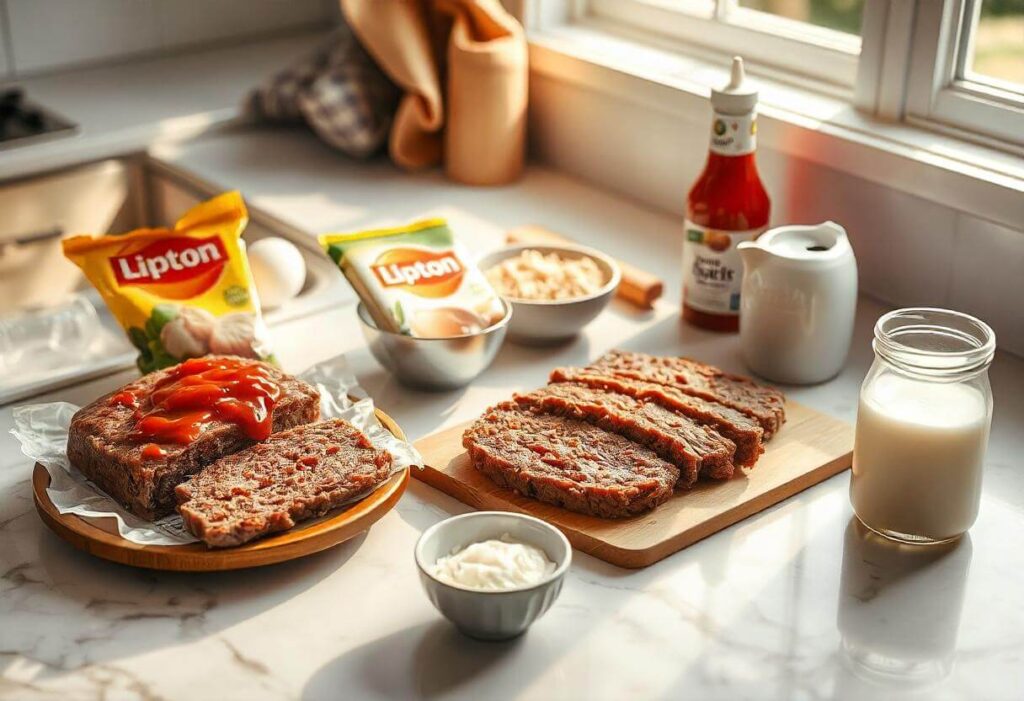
491, 615
548, 321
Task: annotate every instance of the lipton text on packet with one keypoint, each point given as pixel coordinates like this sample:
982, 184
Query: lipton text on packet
416, 279
181, 292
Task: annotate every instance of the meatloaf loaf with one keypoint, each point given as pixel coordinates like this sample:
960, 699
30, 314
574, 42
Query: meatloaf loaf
764, 404
569, 463
693, 448
741, 429
294, 475
103, 446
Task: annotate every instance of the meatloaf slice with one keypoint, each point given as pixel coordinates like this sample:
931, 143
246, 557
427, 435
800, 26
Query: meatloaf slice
741, 429
294, 475
764, 404
103, 447
569, 463
694, 449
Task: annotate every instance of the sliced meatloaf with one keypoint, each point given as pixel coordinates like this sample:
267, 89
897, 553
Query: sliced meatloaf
694, 449
764, 404
569, 463
103, 446
741, 429
294, 475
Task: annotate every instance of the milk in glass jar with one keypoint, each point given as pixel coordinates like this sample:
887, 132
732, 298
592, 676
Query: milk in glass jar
923, 425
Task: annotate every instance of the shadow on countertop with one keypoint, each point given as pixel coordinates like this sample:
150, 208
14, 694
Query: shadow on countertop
441, 661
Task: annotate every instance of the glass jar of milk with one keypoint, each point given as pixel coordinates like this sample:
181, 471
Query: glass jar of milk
922, 426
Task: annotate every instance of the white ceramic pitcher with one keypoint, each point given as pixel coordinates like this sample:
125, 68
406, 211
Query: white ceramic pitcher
797, 302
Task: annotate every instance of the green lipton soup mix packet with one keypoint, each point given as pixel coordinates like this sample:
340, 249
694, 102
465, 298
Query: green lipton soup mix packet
416, 279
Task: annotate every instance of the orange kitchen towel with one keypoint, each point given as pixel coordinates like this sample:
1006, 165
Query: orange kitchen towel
476, 123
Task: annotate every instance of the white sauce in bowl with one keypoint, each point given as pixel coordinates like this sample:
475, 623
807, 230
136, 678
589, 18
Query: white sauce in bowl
494, 565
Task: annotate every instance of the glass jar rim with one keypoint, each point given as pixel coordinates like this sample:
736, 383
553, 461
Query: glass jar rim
934, 341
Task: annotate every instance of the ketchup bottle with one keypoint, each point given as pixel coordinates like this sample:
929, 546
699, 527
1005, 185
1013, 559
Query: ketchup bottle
727, 205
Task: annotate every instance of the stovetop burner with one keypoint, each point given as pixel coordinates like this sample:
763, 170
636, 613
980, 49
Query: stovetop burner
22, 121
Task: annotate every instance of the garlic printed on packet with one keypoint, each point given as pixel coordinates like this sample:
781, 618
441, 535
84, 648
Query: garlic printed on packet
183, 292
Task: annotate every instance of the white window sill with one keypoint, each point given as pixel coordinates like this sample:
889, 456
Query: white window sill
801, 121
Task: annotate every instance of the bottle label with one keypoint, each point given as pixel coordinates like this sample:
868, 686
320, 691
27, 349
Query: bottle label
733, 135
713, 268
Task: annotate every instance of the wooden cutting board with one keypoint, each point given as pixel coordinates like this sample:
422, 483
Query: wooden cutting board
811, 447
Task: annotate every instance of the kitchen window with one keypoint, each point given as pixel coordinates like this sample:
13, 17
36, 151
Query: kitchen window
967, 66
786, 36
952, 65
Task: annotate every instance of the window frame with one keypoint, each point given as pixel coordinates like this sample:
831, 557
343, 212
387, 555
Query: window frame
779, 44
937, 95
906, 71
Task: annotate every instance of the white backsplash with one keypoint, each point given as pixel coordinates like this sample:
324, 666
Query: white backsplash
4, 63
48, 35
51, 33
988, 277
904, 244
185, 22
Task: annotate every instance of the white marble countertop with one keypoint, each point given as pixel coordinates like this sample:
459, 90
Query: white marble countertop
793, 603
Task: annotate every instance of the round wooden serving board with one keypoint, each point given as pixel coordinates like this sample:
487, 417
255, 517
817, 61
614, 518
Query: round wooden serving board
100, 537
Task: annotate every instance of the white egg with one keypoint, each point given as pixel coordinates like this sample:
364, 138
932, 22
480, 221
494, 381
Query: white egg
278, 269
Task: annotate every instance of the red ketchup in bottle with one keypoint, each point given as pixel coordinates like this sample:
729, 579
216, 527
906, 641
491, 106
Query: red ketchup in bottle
728, 204
203, 391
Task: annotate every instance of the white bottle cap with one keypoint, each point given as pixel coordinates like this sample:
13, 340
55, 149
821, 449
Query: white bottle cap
739, 96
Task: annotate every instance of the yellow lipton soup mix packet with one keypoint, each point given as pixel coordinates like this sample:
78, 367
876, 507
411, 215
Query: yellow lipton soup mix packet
182, 292
416, 279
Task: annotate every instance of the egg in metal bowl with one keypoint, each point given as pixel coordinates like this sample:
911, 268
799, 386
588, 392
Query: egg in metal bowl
437, 364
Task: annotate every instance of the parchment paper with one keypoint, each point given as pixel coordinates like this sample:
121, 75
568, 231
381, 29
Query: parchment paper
42, 430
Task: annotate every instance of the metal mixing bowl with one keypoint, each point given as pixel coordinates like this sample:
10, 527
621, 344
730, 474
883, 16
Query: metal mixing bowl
548, 321
434, 363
